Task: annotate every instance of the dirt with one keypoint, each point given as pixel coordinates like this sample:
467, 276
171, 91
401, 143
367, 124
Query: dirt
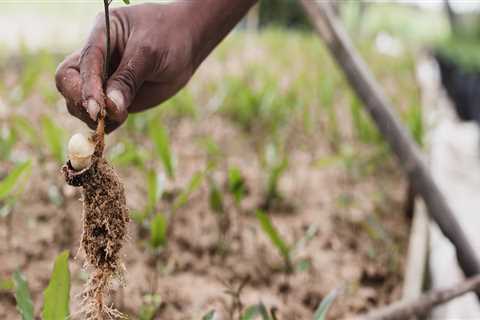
359, 244
355, 218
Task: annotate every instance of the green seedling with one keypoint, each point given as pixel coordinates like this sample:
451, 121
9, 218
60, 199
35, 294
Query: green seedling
23, 296
276, 166
158, 231
236, 184
57, 294
271, 231
55, 139
289, 252
151, 303
324, 307
8, 138
194, 183
255, 311
209, 315
161, 141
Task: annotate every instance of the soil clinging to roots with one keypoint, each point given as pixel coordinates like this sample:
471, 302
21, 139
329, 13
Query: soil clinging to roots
105, 219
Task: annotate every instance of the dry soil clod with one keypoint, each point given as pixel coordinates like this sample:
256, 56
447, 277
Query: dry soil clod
105, 219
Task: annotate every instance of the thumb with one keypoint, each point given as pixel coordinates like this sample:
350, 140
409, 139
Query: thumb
130, 75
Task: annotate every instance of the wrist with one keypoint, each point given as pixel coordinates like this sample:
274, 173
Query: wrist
211, 21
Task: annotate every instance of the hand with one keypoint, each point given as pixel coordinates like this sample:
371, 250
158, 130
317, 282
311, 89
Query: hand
151, 50
155, 49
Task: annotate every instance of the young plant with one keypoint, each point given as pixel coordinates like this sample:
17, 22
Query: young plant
11, 187
272, 233
159, 136
23, 296
236, 184
289, 252
56, 295
276, 166
324, 307
54, 137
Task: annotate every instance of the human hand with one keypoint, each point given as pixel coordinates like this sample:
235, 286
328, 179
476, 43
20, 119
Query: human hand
151, 60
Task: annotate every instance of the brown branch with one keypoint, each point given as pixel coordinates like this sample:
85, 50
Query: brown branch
422, 305
381, 111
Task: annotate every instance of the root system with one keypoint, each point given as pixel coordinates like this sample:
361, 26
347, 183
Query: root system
105, 219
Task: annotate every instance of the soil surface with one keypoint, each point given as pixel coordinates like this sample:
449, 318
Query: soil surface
356, 226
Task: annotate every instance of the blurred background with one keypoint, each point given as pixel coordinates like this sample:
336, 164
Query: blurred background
263, 182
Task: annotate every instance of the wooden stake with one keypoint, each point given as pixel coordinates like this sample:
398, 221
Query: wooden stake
381, 111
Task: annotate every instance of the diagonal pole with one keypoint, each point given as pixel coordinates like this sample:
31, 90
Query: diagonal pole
380, 109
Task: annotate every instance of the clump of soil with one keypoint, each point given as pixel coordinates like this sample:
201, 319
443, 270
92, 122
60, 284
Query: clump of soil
105, 220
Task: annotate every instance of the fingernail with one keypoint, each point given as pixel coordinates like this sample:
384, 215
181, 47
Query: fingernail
93, 108
117, 97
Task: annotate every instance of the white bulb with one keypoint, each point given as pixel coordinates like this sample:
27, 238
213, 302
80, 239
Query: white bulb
80, 151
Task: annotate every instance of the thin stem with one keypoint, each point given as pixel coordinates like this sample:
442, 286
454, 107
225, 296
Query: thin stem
106, 70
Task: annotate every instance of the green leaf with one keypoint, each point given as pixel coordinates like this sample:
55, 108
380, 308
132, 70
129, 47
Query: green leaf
23, 297
6, 284
209, 316
159, 136
154, 189
158, 231
236, 184
254, 311
193, 185
57, 294
275, 173
322, 310
8, 184
54, 137
273, 234
215, 198
126, 1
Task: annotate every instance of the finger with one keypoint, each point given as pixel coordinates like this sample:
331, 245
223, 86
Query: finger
92, 61
68, 82
135, 66
115, 116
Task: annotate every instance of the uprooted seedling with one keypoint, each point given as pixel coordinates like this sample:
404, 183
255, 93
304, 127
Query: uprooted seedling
105, 218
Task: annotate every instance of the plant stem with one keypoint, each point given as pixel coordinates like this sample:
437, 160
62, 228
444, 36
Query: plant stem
106, 69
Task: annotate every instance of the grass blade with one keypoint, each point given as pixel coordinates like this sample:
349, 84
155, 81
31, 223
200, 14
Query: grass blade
158, 231
209, 316
324, 307
57, 294
273, 234
23, 297
54, 137
159, 136
193, 185
254, 311
8, 184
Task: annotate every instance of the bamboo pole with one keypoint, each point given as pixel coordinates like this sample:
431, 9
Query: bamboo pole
420, 306
381, 111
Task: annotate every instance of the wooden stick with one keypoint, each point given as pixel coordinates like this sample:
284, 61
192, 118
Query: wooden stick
422, 305
381, 111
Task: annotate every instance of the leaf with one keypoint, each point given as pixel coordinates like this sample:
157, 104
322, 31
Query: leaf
322, 310
154, 189
275, 173
126, 1
273, 234
193, 185
8, 184
158, 231
159, 136
215, 198
209, 316
57, 294
23, 297
236, 184
254, 311
54, 136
